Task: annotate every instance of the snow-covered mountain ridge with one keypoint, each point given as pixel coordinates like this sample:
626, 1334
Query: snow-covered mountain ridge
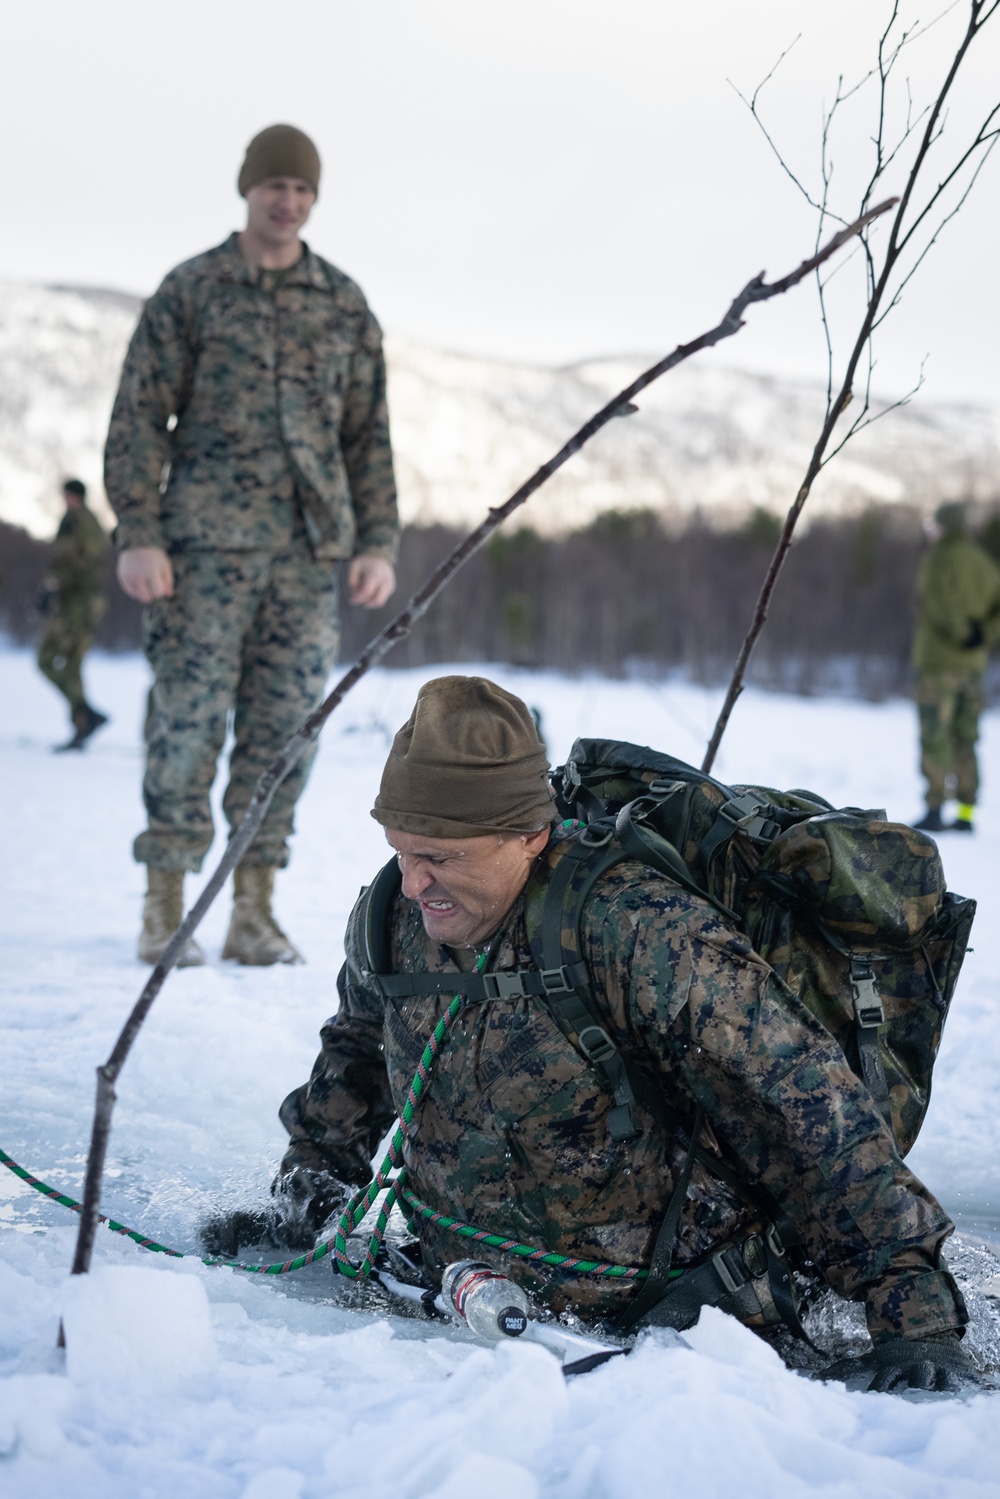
467, 430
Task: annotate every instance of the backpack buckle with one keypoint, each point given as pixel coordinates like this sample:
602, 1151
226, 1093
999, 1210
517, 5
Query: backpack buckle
747, 813
599, 1047
731, 1270
868, 1008
660, 789
504, 985
597, 834
556, 980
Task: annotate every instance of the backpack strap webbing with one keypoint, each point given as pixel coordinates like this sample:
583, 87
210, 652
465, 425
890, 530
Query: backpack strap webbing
573, 1009
601, 845
869, 1018
657, 1281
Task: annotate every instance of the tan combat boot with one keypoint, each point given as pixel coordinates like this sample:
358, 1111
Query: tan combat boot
162, 913
255, 938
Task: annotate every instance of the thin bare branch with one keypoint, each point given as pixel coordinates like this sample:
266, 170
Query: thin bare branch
751, 105
866, 418
879, 282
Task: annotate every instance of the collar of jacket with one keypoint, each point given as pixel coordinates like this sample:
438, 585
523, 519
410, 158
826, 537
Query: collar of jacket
232, 267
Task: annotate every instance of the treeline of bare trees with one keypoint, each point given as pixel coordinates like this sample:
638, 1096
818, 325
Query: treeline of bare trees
625, 597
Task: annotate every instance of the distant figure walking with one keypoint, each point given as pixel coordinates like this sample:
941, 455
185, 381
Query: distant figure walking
73, 600
958, 619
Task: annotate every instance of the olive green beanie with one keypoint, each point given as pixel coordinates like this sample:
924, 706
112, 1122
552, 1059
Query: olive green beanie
279, 151
467, 761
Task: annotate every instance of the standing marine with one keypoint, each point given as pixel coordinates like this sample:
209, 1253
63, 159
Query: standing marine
73, 600
742, 1131
248, 456
958, 620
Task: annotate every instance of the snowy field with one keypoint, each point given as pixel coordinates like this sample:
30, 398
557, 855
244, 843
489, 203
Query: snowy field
287, 1393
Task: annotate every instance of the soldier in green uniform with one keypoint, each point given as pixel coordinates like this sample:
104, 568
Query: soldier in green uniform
73, 594
745, 1099
248, 455
958, 620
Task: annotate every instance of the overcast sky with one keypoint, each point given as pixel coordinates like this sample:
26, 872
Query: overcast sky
540, 179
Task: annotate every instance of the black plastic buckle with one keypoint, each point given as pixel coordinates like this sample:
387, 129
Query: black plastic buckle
603, 1048
867, 1001
556, 980
730, 1269
660, 790
509, 985
597, 834
746, 813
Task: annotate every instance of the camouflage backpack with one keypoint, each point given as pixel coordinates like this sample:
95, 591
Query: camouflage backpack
850, 910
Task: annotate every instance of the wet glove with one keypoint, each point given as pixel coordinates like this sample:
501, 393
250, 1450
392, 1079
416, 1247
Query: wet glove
303, 1201
937, 1363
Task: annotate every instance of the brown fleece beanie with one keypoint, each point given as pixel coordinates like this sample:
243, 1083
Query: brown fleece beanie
468, 761
279, 151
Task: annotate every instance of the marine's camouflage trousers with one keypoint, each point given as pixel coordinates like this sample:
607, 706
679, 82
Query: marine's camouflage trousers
68, 638
949, 704
252, 632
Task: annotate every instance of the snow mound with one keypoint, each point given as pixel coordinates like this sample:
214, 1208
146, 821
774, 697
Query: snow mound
137, 1322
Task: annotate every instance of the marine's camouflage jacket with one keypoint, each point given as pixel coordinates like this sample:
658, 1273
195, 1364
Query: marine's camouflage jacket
244, 391
512, 1133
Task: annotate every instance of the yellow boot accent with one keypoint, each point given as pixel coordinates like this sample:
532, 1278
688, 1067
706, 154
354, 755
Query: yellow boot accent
966, 812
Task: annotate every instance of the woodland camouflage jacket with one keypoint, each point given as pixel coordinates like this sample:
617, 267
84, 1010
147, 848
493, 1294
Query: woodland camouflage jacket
512, 1133
79, 553
243, 391
958, 587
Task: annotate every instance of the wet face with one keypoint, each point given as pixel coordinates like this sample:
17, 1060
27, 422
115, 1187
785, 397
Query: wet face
465, 886
278, 208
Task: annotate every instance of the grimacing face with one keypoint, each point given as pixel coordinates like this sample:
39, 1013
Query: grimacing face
465, 886
278, 207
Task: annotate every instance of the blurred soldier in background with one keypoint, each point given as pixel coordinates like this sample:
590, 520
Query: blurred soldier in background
248, 454
72, 598
958, 619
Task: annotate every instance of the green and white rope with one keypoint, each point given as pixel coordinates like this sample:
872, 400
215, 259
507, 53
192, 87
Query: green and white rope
395, 1188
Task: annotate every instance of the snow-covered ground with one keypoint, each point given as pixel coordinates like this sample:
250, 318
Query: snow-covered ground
306, 1397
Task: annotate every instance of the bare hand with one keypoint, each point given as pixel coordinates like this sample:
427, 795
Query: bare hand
145, 574
371, 581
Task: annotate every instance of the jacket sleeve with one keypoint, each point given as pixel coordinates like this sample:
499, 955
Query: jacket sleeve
336, 1120
991, 615
795, 1121
364, 441
155, 386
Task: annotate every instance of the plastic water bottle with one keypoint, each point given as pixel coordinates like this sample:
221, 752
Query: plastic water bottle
492, 1306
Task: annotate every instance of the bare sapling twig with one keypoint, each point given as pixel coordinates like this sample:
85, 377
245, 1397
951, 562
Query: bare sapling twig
757, 290
915, 228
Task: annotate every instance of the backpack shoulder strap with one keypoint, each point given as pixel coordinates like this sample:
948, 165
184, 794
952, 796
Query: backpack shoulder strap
572, 1007
601, 845
373, 910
